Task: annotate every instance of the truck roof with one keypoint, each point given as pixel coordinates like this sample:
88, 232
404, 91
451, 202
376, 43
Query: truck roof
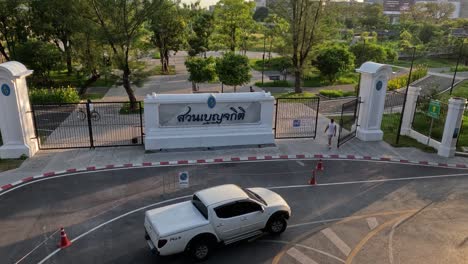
221, 193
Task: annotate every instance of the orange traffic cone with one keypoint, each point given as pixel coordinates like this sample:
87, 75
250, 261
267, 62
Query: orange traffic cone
320, 165
313, 180
64, 241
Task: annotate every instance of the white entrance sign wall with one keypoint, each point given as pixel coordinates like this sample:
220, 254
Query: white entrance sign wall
174, 121
372, 91
452, 127
16, 122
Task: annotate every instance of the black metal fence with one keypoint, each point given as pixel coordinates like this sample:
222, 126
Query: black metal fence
88, 125
296, 117
422, 121
348, 121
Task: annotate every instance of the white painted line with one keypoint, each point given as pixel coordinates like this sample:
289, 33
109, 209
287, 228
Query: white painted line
275, 159
174, 162
115, 219
340, 244
300, 163
17, 182
299, 256
243, 159
372, 222
372, 181
305, 247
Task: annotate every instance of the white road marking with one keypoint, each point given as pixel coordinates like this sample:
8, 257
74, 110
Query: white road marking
300, 163
245, 160
299, 256
372, 222
340, 244
38, 246
390, 240
305, 247
372, 181
113, 220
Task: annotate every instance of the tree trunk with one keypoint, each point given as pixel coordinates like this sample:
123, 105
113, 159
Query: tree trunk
166, 55
3, 52
69, 59
94, 77
128, 88
194, 87
297, 81
235, 88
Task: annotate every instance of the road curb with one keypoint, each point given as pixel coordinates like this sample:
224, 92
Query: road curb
29, 179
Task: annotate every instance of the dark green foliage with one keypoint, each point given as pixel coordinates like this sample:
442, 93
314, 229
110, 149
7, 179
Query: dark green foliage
57, 95
233, 69
333, 60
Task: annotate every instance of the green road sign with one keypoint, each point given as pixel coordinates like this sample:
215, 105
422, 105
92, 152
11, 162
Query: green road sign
434, 109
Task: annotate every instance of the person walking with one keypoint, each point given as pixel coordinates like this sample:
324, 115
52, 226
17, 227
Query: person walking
330, 130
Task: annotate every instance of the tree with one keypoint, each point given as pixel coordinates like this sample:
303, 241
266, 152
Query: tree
14, 24
232, 18
260, 14
120, 23
169, 30
201, 70
276, 28
373, 17
429, 12
56, 21
369, 52
304, 17
333, 60
42, 57
202, 27
233, 69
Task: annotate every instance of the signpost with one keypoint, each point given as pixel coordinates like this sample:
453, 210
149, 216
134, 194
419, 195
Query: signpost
296, 123
183, 179
433, 112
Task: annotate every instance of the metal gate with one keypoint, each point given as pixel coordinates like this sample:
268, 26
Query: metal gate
88, 125
348, 121
296, 117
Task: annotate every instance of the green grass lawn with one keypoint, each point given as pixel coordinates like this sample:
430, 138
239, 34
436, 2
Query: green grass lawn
294, 95
9, 164
93, 96
389, 127
274, 84
157, 70
461, 90
463, 137
429, 62
61, 79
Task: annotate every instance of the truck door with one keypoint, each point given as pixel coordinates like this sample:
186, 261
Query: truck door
227, 221
252, 217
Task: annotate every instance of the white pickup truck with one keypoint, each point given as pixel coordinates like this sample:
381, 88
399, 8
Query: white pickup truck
217, 215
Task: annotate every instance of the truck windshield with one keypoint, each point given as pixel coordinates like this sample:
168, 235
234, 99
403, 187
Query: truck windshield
254, 196
200, 206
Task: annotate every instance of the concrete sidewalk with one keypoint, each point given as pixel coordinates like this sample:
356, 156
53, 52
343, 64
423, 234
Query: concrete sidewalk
57, 160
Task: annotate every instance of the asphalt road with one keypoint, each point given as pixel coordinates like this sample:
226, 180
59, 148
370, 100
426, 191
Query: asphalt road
359, 213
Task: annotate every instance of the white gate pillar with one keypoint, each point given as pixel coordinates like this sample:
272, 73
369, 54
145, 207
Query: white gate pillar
410, 108
372, 91
452, 127
16, 123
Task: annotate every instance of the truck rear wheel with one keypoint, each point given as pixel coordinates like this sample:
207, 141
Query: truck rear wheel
200, 250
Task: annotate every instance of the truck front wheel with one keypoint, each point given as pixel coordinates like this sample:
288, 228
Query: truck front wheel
276, 225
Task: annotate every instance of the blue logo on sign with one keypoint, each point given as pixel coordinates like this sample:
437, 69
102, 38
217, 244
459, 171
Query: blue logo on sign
379, 85
211, 101
183, 176
296, 123
5, 89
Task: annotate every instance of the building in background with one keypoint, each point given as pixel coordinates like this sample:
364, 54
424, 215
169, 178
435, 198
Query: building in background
394, 8
260, 3
464, 9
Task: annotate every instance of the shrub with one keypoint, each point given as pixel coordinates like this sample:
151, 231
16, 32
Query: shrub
336, 93
56, 95
419, 72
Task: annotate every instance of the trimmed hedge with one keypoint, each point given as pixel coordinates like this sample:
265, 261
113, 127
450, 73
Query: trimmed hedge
55, 95
419, 72
336, 93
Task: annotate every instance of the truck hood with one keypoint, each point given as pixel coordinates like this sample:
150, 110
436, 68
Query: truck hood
176, 218
270, 197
